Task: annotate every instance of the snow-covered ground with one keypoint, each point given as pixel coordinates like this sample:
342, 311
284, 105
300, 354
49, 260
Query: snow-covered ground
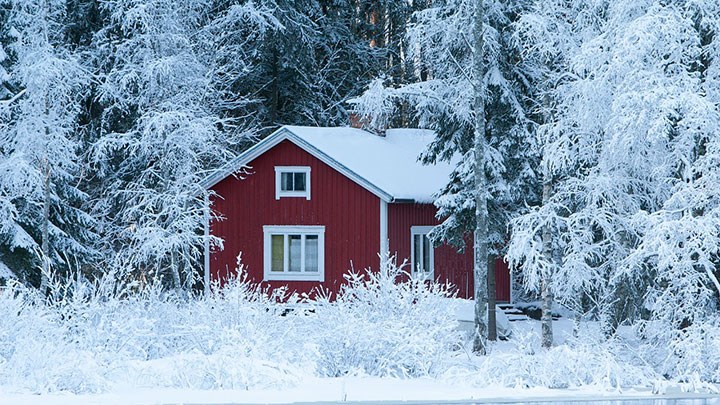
378, 342
353, 389
454, 385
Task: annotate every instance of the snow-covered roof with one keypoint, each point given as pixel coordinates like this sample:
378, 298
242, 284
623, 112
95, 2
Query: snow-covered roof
387, 166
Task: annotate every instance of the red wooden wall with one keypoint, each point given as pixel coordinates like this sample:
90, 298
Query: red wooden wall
502, 281
450, 265
350, 214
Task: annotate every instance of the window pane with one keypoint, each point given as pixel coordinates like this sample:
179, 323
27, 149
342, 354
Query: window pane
299, 181
417, 252
426, 254
277, 252
295, 261
286, 181
311, 253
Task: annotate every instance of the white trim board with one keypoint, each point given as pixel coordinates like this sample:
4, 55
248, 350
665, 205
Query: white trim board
384, 241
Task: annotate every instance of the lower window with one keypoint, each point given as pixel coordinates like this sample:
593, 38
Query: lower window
422, 252
294, 253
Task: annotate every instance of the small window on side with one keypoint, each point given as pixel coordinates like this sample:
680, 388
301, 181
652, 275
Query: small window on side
422, 252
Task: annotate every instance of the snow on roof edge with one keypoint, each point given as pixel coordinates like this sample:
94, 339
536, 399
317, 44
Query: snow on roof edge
275, 138
317, 142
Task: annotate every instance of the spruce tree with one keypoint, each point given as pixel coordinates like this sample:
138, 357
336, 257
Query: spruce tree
442, 96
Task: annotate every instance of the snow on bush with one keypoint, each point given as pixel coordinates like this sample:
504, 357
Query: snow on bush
91, 338
37, 351
383, 327
588, 360
687, 354
87, 340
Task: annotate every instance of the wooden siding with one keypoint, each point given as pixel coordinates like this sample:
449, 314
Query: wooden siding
502, 281
350, 214
451, 265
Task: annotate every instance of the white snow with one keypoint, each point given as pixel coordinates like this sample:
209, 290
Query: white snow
378, 341
389, 162
335, 390
465, 382
5, 272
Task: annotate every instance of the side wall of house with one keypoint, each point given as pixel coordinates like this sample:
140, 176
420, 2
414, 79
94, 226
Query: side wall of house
350, 214
451, 265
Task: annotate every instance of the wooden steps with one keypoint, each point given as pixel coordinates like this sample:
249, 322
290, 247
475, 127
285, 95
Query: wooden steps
516, 314
513, 314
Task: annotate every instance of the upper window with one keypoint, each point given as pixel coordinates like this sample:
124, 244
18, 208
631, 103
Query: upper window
422, 252
292, 181
294, 253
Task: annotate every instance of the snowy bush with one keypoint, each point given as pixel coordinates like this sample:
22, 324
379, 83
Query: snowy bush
588, 360
37, 351
381, 327
89, 338
86, 338
98, 337
685, 354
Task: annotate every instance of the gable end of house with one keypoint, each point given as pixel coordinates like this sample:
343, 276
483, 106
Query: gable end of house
282, 134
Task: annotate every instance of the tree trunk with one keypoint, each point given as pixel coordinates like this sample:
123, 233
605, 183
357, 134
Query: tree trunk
480, 252
45, 272
547, 300
492, 316
578, 314
546, 287
275, 85
604, 312
45, 275
175, 272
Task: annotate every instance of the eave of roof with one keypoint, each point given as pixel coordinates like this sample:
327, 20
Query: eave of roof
275, 138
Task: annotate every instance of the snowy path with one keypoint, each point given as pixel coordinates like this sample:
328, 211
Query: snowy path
365, 391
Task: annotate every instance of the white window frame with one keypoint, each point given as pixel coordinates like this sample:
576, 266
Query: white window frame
279, 170
421, 230
269, 275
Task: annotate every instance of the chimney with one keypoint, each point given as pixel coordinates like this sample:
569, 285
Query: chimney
366, 123
358, 121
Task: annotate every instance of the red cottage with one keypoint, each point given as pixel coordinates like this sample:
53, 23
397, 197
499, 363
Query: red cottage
316, 202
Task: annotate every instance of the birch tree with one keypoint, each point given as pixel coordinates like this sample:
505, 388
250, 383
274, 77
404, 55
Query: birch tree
167, 124
631, 118
43, 227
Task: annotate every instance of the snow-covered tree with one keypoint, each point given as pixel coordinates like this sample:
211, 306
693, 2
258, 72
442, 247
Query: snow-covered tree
163, 129
445, 96
535, 245
631, 122
43, 227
